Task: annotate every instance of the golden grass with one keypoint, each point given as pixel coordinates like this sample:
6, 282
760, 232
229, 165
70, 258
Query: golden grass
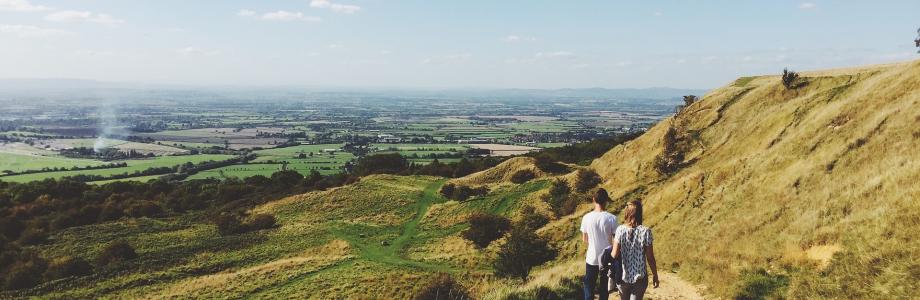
773, 172
501, 173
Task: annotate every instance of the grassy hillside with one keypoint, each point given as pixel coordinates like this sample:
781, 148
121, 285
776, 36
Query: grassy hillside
816, 185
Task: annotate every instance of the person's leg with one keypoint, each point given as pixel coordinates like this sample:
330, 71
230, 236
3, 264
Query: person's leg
638, 289
590, 281
624, 289
602, 292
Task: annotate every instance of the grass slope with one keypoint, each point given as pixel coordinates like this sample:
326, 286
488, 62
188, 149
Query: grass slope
815, 185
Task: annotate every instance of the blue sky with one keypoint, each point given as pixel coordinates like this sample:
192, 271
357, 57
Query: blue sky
446, 44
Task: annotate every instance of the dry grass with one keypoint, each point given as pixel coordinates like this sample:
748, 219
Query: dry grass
774, 173
501, 173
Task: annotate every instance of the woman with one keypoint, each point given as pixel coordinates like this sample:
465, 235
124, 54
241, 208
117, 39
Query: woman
633, 244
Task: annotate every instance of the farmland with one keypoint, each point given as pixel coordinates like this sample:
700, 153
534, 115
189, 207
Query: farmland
55, 138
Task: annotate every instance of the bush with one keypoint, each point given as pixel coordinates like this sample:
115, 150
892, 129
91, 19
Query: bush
789, 79
25, 274
522, 251
261, 221
485, 228
443, 287
144, 209
67, 267
391, 163
561, 199
447, 190
759, 284
547, 164
116, 252
530, 219
462, 192
33, 236
586, 180
522, 176
228, 224
689, 100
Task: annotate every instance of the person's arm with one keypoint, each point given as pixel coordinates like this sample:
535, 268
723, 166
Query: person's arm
616, 249
584, 237
650, 256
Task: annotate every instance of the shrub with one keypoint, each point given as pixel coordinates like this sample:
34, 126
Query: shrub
789, 79
447, 190
547, 164
228, 224
530, 219
116, 252
391, 163
443, 287
261, 221
561, 199
25, 273
690, 99
144, 209
485, 228
522, 251
67, 267
586, 180
522, 176
759, 284
33, 236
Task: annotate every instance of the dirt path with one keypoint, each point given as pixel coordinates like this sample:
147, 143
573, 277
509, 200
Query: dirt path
672, 287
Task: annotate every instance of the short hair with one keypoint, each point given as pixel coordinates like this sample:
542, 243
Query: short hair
632, 215
601, 197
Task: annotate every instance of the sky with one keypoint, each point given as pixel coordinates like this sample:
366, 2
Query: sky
446, 44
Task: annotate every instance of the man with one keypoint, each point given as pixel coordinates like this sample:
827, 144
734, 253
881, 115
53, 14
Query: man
597, 229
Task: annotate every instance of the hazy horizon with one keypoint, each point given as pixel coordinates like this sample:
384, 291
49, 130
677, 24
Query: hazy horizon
424, 45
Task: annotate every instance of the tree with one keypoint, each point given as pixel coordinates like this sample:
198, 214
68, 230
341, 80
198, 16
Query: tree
447, 190
485, 228
522, 176
442, 287
522, 251
389, 163
789, 79
690, 99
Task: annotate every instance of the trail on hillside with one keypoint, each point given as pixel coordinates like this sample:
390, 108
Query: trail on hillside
393, 252
673, 287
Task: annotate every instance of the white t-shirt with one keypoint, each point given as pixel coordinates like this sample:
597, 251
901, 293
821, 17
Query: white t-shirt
600, 227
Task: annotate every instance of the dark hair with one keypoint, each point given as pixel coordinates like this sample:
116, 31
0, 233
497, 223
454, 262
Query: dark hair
601, 197
632, 215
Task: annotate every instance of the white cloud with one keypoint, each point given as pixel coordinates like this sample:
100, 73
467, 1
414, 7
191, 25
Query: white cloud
808, 6
195, 51
657, 14
335, 7
20, 6
287, 16
517, 38
245, 13
83, 16
556, 54
447, 59
28, 31
334, 46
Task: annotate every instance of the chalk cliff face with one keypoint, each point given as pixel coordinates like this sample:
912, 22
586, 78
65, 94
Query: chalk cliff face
817, 185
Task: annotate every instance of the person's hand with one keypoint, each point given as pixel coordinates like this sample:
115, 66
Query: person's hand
655, 282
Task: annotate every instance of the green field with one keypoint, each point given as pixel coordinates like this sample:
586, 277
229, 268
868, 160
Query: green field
137, 179
21, 162
133, 165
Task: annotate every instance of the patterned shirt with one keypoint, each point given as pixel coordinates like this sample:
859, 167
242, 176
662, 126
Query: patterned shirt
632, 250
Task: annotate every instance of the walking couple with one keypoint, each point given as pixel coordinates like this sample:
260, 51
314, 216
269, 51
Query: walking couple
629, 246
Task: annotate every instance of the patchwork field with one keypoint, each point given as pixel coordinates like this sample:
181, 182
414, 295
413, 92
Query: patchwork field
133, 166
